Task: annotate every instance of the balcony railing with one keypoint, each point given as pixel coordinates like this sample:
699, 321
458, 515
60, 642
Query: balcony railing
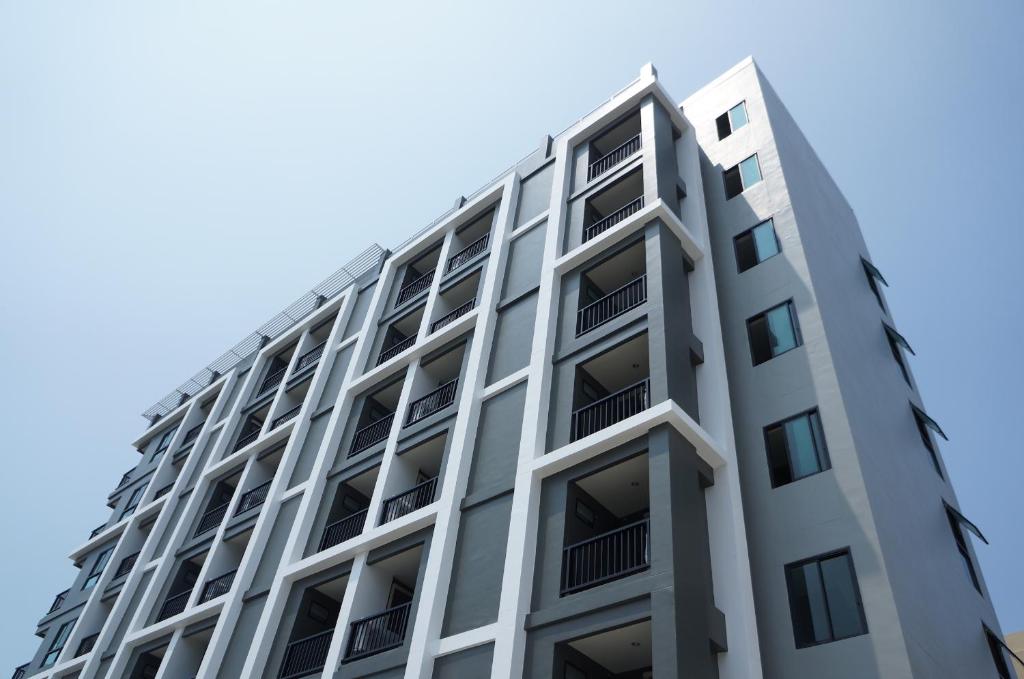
21, 671
611, 409
415, 498
413, 288
306, 656
614, 218
211, 519
373, 433
192, 433
613, 158
163, 490
615, 303
175, 604
379, 632
87, 645
395, 349
97, 530
284, 417
272, 380
251, 499
126, 565
217, 587
58, 601
460, 258
434, 402
311, 357
612, 555
246, 439
452, 315
345, 529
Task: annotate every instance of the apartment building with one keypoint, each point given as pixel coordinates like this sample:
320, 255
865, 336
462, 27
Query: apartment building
635, 408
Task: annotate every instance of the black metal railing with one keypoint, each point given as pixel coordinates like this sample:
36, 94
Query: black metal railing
310, 357
370, 434
193, 433
434, 402
414, 287
87, 644
97, 530
415, 498
21, 671
173, 605
613, 158
217, 587
272, 380
285, 416
460, 258
251, 499
614, 218
617, 302
58, 601
246, 439
611, 409
211, 519
126, 565
306, 656
395, 349
379, 632
455, 313
608, 556
124, 479
345, 529
163, 490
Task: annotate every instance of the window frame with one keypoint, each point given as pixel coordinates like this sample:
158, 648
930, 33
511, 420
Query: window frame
896, 343
98, 566
62, 636
795, 327
875, 277
136, 498
817, 560
925, 423
739, 173
727, 118
824, 460
750, 232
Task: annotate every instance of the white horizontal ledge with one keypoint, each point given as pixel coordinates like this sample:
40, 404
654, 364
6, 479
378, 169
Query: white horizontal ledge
187, 617
464, 640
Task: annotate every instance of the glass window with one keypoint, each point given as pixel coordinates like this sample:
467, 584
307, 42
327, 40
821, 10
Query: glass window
824, 600
773, 332
750, 171
731, 120
965, 552
756, 245
995, 647
796, 448
57, 645
97, 568
739, 178
133, 500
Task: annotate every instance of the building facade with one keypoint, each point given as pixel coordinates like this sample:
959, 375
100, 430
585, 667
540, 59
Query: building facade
636, 408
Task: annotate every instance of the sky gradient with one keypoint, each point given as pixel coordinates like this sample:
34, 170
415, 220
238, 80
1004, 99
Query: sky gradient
165, 168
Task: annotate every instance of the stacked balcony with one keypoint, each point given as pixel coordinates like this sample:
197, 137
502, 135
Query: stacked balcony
311, 357
212, 519
400, 335
306, 656
417, 497
174, 605
612, 205
217, 587
613, 147
310, 638
378, 633
434, 402
253, 498
611, 387
347, 514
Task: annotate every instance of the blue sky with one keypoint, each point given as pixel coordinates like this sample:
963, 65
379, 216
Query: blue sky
165, 168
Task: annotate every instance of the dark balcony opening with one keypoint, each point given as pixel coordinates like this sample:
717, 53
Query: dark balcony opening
289, 405
313, 348
394, 581
470, 242
455, 302
620, 653
125, 566
400, 335
217, 506
347, 515
418, 276
86, 644
612, 205
611, 387
612, 288
257, 485
220, 576
375, 418
607, 532
613, 147
148, 664
310, 636
180, 590
188, 654
251, 428
274, 373
415, 476
436, 385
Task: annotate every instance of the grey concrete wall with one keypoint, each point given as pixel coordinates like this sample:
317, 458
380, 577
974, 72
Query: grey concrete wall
240, 644
535, 194
473, 662
511, 348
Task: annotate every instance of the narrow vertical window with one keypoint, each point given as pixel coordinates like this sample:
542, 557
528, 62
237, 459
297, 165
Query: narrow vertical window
741, 177
896, 344
97, 568
57, 645
924, 423
995, 647
824, 600
756, 245
773, 332
796, 448
731, 120
874, 277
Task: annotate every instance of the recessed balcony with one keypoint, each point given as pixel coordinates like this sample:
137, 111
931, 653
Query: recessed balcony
611, 387
439, 378
386, 629
619, 652
216, 507
613, 147
611, 288
418, 276
347, 515
217, 587
310, 638
400, 335
455, 302
470, 242
251, 499
375, 418
433, 402
613, 205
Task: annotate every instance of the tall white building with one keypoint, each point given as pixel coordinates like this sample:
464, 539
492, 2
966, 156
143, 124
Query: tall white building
636, 408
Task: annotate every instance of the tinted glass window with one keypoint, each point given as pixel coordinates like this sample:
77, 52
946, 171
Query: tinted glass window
738, 116
824, 600
750, 171
756, 245
796, 448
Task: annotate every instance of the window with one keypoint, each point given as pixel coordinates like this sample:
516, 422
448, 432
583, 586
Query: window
97, 568
731, 120
874, 278
924, 423
996, 646
824, 600
896, 341
165, 441
796, 448
739, 178
57, 645
755, 245
133, 500
957, 523
773, 332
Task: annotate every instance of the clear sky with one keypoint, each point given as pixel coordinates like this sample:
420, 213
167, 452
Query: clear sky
173, 174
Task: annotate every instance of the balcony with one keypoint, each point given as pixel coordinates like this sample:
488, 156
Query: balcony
217, 587
284, 417
434, 402
415, 498
603, 224
192, 434
211, 519
615, 303
174, 605
58, 601
251, 429
340, 531
272, 380
311, 357
453, 315
608, 556
86, 645
415, 286
163, 490
378, 633
254, 498
466, 254
126, 565
624, 651
371, 434
97, 530
395, 349
611, 409
306, 656
21, 671
613, 158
